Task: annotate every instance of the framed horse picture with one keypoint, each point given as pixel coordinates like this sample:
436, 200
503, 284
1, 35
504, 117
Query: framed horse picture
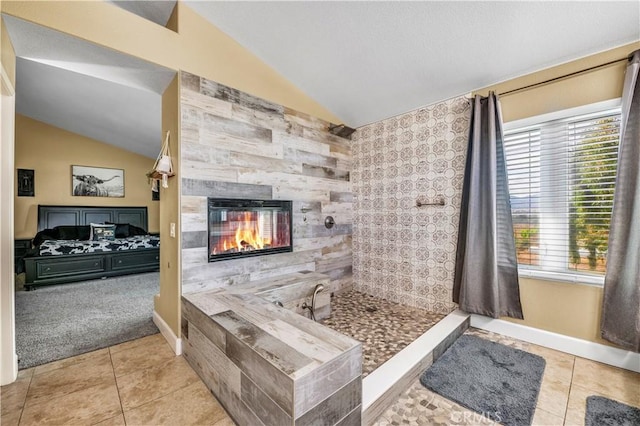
89, 181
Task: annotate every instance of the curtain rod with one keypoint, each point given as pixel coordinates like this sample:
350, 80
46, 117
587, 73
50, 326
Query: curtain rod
551, 80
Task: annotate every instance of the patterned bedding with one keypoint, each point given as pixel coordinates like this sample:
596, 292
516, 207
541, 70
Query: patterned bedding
60, 247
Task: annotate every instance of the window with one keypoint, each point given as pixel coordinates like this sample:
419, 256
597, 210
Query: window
562, 173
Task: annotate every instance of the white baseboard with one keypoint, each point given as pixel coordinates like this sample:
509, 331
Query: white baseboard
167, 333
579, 347
10, 374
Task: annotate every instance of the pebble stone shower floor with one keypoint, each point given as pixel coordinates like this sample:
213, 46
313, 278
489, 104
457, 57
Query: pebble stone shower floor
383, 327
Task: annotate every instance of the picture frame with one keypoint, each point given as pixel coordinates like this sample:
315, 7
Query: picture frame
26, 183
90, 181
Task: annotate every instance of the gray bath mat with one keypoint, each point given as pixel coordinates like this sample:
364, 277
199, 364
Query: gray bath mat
497, 381
607, 412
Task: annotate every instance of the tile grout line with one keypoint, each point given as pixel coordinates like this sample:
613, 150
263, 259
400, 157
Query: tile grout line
113, 370
566, 408
24, 403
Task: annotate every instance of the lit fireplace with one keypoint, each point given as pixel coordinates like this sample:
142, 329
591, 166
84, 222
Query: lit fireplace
239, 228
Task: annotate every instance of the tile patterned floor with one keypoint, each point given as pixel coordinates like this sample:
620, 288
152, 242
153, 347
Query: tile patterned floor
140, 382
567, 382
383, 327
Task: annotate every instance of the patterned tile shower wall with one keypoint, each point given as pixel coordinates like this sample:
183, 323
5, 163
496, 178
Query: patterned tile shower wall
234, 145
402, 252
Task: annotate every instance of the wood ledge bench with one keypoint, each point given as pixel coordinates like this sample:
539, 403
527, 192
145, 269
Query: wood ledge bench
267, 364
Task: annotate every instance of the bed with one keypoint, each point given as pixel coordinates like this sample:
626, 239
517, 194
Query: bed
69, 248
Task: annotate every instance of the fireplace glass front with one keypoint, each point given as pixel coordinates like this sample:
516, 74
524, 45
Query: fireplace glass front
241, 228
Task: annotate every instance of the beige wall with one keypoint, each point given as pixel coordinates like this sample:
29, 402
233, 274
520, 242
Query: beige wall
594, 86
51, 151
8, 357
167, 303
199, 47
565, 308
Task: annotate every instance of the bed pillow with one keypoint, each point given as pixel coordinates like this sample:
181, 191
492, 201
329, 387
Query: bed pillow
84, 232
122, 229
45, 234
100, 232
67, 232
135, 230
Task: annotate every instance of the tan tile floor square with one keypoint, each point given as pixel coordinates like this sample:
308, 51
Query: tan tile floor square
14, 395
134, 357
151, 383
544, 418
88, 405
614, 383
190, 405
93, 388
113, 421
95, 356
77, 376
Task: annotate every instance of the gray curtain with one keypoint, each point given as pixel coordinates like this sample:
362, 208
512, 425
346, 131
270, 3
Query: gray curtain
486, 275
621, 305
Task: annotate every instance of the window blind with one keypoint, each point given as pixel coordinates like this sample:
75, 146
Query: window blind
561, 181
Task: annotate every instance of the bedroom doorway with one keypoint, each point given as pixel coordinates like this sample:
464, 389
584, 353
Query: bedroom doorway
92, 117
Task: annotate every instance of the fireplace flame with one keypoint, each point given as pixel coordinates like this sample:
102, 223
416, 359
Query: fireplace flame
248, 235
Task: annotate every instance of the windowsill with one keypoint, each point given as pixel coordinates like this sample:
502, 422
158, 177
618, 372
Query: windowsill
595, 280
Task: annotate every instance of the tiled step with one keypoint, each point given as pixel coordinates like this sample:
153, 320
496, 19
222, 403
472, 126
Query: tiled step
384, 385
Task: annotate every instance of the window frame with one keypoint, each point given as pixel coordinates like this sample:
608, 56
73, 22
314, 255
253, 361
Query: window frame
529, 123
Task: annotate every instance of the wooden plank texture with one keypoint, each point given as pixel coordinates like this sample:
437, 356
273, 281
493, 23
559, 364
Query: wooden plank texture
213, 332
263, 406
313, 388
215, 361
263, 362
334, 408
225, 189
235, 96
271, 380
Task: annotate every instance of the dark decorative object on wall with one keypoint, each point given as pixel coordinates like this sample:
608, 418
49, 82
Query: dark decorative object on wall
97, 182
155, 195
341, 130
26, 183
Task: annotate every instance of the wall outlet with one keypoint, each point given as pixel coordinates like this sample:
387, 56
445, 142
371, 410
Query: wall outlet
172, 231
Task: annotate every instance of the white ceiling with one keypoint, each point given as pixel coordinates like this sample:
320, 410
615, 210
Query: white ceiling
88, 89
366, 61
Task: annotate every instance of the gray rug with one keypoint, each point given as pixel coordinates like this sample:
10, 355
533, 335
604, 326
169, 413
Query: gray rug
607, 412
497, 381
65, 320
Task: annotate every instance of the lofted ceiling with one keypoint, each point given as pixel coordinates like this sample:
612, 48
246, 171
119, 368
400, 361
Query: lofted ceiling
366, 61
88, 89
158, 11
363, 61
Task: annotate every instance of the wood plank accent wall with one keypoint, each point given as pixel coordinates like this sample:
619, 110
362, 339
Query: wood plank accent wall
235, 145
